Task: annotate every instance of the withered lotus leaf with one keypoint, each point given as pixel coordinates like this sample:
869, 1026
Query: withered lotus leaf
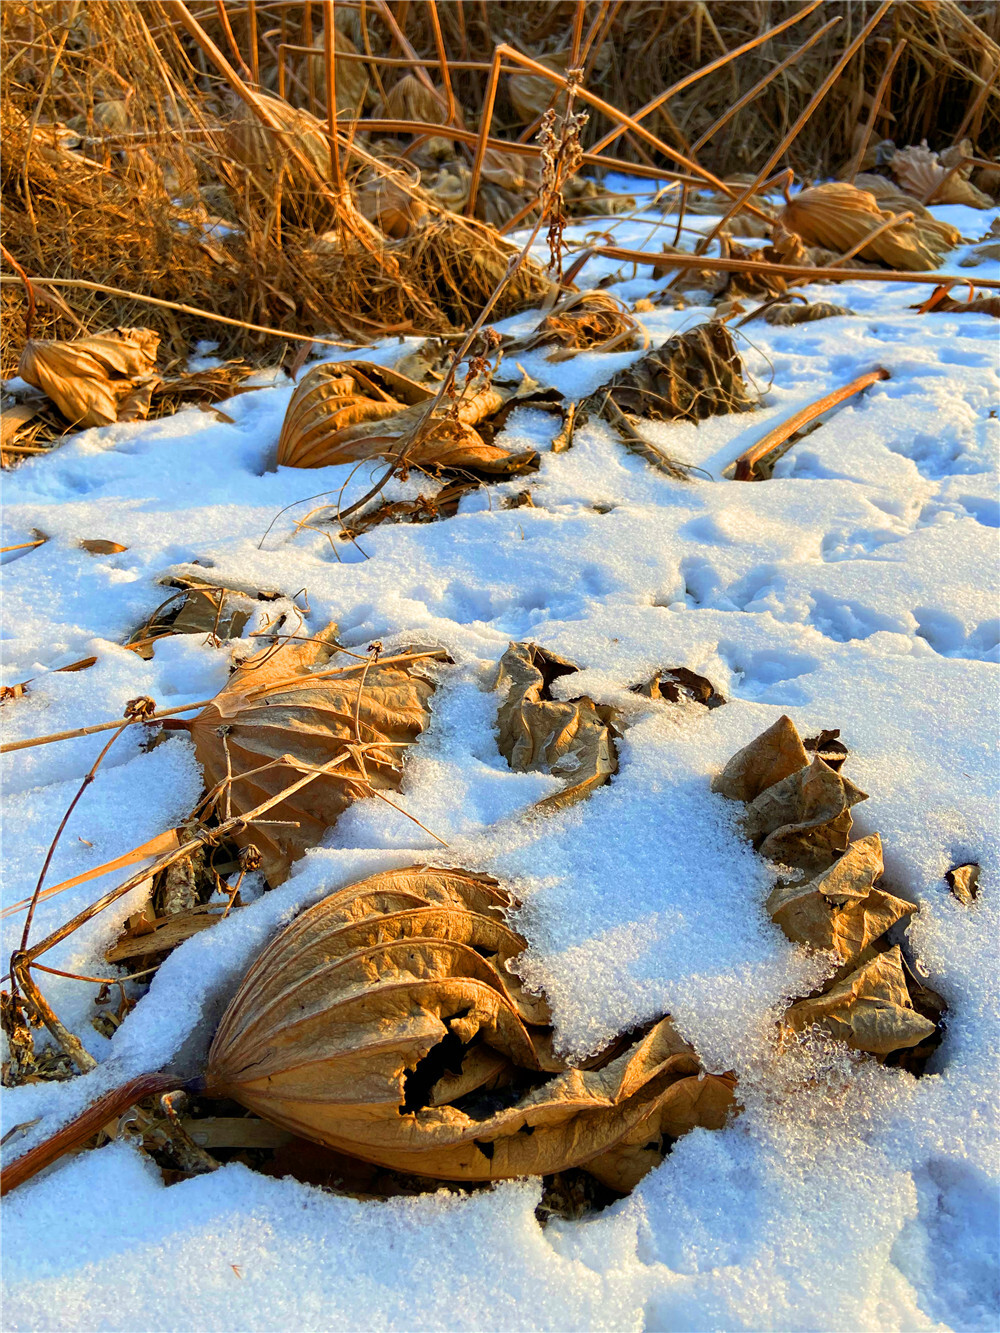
95, 381
354, 410
694, 375
870, 1010
837, 216
282, 715
805, 819
840, 910
585, 321
571, 739
921, 172
771, 756
385, 1022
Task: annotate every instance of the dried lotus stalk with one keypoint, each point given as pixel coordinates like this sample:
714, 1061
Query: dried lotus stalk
870, 1010
385, 1022
837, 216
592, 321
276, 720
569, 739
840, 910
353, 410
95, 381
920, 172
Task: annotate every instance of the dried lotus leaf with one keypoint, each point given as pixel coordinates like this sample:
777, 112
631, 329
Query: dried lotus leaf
838, 216
840, 910
394, 206
570, 740
921, 172
531, 94
421, 1052
964, 882
773, 755
797, 313
694, 375
870, 1010
92, 380
677, 684
276, 172
591, 321
275, 722
354, 410
805, 819
410, 99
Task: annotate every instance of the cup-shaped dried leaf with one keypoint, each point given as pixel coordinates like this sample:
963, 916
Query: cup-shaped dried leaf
409, 99
773, 755
870, 1010
277, 721
837, 216
964, 882
354, 410
385, 1022
840, 910
95, 381
920, 172
531, 94
805, 819
569, 739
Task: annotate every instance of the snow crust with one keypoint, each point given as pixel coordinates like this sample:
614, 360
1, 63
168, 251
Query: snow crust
856, 589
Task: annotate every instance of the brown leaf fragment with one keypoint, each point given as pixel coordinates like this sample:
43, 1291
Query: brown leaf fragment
583, 321
795, 312
870, 1010
678, 684
162, 934
840, 910
921, 172
281, 716
773, 755
805, 819
829, 747
101, 546
964, 882
569, 739
95, 381
385, 1022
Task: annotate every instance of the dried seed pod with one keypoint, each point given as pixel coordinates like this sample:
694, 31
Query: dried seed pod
385, 1022
95, 381
280, 717
570, 739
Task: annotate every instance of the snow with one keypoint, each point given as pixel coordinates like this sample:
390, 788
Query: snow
856, 589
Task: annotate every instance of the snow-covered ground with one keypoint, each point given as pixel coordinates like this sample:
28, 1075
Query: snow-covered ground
857, 589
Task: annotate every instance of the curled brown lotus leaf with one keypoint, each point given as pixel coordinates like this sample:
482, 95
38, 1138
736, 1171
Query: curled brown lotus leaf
392, 204
385, 1022
773, 755
840, 910
677, 685
837, 216
797, 313
921, 172
569, 739
805, 819
355, 410
591, 321
870, 1010
276, 721
95, 381
694, 375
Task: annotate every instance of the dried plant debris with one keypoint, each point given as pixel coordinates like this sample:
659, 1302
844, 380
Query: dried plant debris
584, 321
199, 606
796, 312
286, 714
424, 509
923, 173
354, 410
95, 381
678, 685
798, 813
838, 216
571, 739
944, 304
964, 882
870, 1010
386, 1022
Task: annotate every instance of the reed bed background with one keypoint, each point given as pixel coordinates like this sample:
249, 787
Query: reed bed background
136, 159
